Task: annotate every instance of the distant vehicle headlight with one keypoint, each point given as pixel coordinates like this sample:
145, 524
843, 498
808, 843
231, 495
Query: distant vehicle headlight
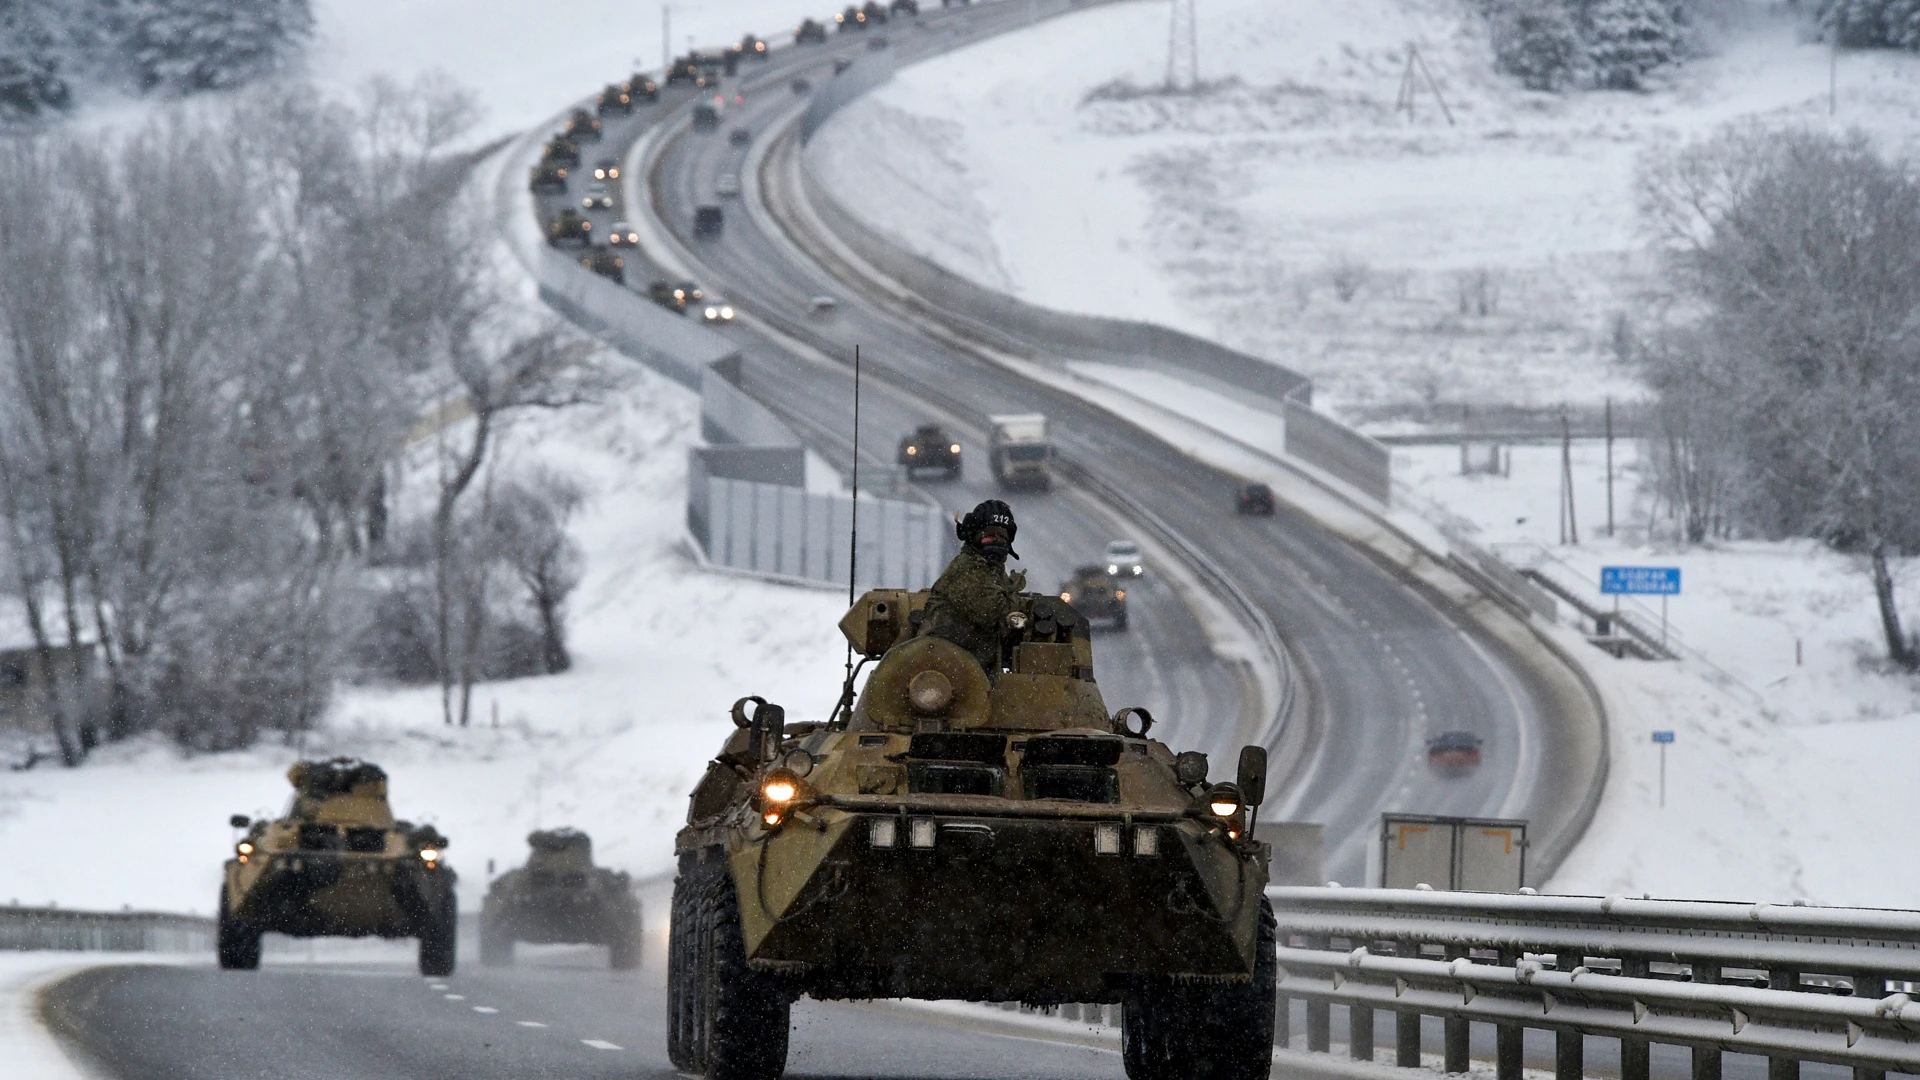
429, 855
1066, 597
244, 848
1138, 569
726, 312
1113, 568
780, 788
912, 450
955, 448
713, 313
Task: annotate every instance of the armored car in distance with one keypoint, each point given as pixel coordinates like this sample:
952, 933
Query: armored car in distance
337, 864
985, 833
560, 897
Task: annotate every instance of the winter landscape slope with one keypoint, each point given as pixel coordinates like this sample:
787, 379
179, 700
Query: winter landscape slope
1235, 211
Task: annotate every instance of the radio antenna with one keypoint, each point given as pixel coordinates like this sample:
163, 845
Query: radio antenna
853, 541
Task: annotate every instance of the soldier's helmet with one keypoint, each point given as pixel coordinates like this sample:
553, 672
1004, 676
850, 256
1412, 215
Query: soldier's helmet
989, 514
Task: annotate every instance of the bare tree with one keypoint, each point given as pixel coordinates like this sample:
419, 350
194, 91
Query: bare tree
530, 523
1798, 249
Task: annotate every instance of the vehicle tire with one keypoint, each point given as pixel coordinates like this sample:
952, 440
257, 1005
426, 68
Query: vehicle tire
438, 945
681, 1038
237, 944
1172, 1031
496, 941
623, 948
746, 1014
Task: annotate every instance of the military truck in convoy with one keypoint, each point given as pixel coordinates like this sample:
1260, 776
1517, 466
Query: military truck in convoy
548, 178
568, 226
583, 126
983, 832
1096, 596
337, 864
562, 151
560, 897
810, 32
615, 98
1019, 451
607, 263
929, 447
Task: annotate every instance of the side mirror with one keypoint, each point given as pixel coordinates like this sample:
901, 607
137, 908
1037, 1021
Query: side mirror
240, 821
1253, 774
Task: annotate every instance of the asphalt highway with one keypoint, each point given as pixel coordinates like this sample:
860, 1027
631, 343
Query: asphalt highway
1385, 666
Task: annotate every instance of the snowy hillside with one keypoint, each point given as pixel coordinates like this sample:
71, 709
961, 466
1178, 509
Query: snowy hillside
1243, 211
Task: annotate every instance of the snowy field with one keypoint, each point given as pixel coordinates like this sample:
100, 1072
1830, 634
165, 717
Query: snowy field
1238, 212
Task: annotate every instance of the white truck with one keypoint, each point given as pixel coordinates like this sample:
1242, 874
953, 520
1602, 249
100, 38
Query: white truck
1020, 453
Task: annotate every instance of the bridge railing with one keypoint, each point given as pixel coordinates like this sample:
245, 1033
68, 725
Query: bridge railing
45, 928
1790, 983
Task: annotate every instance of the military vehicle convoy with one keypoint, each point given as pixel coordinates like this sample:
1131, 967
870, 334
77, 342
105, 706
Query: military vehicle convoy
560, 897
985, 835
568, 226
337, 864
548, 178
607, 263
583, 126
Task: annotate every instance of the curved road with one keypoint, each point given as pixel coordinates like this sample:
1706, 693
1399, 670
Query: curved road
1385, 665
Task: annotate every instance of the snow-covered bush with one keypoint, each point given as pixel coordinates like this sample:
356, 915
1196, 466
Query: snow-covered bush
1627, 39
1864, 24
32, 58
1534, 40
189, 45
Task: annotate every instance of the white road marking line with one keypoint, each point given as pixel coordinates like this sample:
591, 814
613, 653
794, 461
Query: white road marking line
455, 997
485, 1009
600, 1044
529, 1023
436, 986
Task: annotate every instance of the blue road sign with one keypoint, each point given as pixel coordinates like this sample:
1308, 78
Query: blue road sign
1640, 580
1663, 736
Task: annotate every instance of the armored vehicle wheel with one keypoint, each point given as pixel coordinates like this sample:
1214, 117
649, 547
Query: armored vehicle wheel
623, 945
238, 944
1177, 1031
683, 1038
496, 943
740, 1017
437, 945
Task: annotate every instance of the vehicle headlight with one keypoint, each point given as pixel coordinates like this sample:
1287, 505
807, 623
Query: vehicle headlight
244, 848
954, 449
726, 312
713, 313
1138, 569
1223, 800
430, 856
883, 832
1112, 568
780, 788
613, 174
1106, 838
912, 450
1066, 597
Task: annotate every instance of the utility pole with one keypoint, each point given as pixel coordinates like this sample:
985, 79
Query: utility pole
1609, 467
1183, 48
666, 37
1569, 527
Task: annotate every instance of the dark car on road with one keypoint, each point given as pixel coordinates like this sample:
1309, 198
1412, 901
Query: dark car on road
606, 263
1454, 753
1096, 596
706, 117
929, 447
708, 221
606, 169
739, 136
1254, 499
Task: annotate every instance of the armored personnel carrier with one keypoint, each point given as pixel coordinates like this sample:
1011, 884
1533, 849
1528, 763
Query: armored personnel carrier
929, 447
615, 98
562, 151
337, 864
985, 835
583, 126
568, 226
1097, 596
548, 178
606, 262
560, 897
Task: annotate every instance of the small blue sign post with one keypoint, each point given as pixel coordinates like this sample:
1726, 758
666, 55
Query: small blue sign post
1661, 581
1664, 739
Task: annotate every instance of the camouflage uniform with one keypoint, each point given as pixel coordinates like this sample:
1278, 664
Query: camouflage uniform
969, 604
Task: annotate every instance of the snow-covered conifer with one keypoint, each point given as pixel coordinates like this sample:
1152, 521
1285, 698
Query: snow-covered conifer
1535, 40
188, 45
1629, 38
32, 58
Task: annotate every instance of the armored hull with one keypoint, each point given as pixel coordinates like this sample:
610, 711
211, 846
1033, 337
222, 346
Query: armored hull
560, 897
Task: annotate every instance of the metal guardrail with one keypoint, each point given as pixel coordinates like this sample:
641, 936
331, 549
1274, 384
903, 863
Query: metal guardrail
1791, 983
42, 928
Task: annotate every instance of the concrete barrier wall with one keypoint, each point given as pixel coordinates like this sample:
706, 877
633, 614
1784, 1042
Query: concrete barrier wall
24, 928
790, 533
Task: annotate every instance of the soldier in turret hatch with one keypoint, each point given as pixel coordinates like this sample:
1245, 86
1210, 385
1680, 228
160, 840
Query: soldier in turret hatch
970, 603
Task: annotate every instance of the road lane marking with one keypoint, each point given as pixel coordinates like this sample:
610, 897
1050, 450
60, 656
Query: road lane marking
455, 997
529, 1023
600, 1044
485, 1009
436, 986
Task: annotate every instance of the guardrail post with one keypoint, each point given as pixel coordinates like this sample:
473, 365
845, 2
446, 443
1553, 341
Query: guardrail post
1509, 1040
1636, 1055
1319, 1013
1406, 1022
1569, 1046
1871, 987
1282, 1021
1706, 1062
1360, 1034
1783, 1068
1456, 1029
